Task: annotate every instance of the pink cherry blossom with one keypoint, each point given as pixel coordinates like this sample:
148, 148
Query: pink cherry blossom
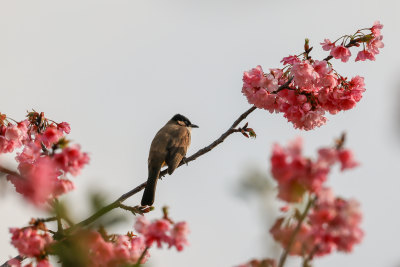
376, 29
336, 224
364, 55
29, 241
179, 235
62, 186
100, 251
290, 60
327, 156
13, 136
327, 45
50, 136
141, 224
157, 232
254, 78
304, 75
261, 98
71, 159
321, 67
346, 159
296, 174
17, 132
341, 52
271, 83
127, 250
332, 224
31, 152
120, 250
328, 81
298, 111
282, 233
375, 44
316, 88
36, 182
342, 98
160, 231
64, 126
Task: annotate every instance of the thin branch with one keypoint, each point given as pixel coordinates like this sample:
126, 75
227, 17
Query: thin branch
19, 258
140, 187
136, 209
295, 232
60, 230
50, 219
117, 203
284, 86
141, 257
10, 172
309, 258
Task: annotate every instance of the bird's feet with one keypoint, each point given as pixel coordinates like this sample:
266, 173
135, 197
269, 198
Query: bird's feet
184, 161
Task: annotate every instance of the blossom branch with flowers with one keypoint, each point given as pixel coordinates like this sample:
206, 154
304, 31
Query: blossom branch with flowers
304, 89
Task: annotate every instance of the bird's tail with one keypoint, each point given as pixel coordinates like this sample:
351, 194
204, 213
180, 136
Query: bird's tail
150, 190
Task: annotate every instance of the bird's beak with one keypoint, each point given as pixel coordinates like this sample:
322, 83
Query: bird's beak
194, 126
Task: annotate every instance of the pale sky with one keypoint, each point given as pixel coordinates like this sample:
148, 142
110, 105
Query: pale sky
118, 70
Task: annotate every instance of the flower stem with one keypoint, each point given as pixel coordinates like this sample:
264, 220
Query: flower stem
141, 257
295, 232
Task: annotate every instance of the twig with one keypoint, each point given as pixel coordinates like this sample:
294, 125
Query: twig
10, 172
141, 257
19, 258
284, 86
306, 260
50, 219
136, 209
60, 230
295, 232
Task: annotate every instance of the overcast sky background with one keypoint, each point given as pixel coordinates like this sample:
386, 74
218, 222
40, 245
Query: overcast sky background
118, 70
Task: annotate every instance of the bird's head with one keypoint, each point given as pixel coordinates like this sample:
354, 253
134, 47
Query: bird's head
183, 121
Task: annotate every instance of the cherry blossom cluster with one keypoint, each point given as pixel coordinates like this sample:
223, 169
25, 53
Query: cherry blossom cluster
111, 251
306, 88
296, 174
332, 224
46, 157
31, 242
121, 250
329, 223
163, 231
97, 248
370, 38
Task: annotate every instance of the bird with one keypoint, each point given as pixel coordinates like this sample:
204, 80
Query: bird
169, 147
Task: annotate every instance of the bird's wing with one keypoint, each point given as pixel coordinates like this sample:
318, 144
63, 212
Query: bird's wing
177, 148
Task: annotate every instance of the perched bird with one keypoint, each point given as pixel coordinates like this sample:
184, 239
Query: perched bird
168, 147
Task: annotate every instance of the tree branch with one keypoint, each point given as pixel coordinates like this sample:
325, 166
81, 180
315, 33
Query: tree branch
140, 187
117, 203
